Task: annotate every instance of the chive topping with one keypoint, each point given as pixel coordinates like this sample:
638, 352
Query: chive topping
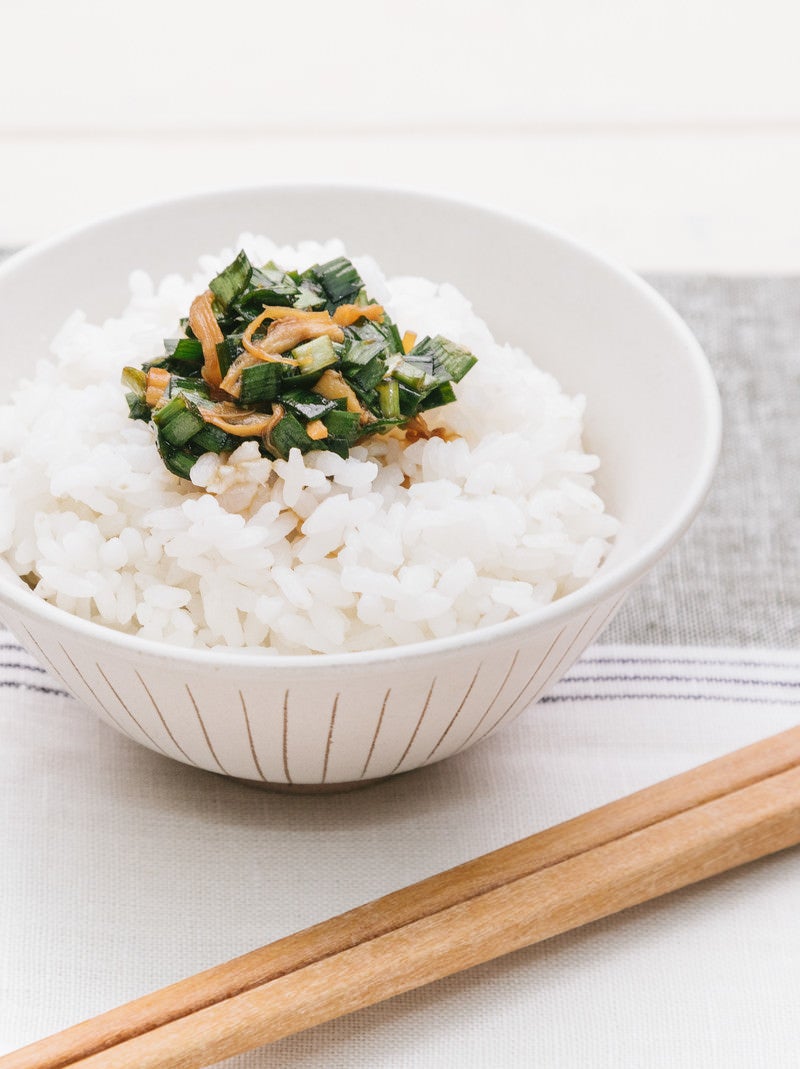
232, 282
260, 384
339, 279
339, 375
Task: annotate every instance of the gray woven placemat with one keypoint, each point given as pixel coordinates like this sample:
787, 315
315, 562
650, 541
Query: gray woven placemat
734, 579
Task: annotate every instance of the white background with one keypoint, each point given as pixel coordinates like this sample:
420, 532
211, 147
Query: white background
665, 133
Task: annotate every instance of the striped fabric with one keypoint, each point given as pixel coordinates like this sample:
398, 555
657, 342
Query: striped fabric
123, 870
660, 674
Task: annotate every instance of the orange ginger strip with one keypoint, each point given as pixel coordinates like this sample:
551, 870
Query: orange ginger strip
156, 383
206, 328
316, 430
258, 351
408, 341
347, 314
332, 386
290, 327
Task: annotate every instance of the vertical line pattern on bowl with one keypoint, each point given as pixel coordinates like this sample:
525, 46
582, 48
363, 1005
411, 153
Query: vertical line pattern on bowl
250, 738
95, 695
453, 719
205, 733
536, 671
551, 675
554, 672
416, 729
492, 703
47, 659
141, 727
286, 737
163, 721
330, 739
595, 630
529, 700
375, 735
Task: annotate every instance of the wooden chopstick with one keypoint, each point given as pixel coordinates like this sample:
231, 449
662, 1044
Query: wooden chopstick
725, 813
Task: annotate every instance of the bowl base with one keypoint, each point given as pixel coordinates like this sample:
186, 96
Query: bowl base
310, 788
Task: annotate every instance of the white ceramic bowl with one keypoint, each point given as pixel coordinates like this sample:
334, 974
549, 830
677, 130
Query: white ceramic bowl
315, 721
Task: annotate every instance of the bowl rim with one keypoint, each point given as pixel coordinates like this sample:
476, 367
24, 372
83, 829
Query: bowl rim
598, 589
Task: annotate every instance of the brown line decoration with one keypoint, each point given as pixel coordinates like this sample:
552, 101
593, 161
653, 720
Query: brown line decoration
141, 727
492, 703
205, 733
250, 739
573, 640
538, 669
47, 659
286, 738
163, 721
552, 674
463, 702
375, 736
330, 738
416, 729
96, 697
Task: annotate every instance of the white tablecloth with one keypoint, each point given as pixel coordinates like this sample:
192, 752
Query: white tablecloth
123, 871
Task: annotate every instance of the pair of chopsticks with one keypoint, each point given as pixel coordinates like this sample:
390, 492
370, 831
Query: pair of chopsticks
725, 813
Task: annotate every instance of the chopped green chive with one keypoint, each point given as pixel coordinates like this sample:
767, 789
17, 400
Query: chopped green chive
358, 385
134, 380
183, 354
289, 433
389, 395
178, 421
232, 282
315, 355
409, 375
137, 407
260, 384
339, 279
213, 439
307, 405
179, 461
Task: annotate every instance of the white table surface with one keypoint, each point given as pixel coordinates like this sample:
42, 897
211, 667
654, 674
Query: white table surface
124, 871
666, 134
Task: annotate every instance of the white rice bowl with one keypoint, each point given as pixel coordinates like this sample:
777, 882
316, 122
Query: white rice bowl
313, 554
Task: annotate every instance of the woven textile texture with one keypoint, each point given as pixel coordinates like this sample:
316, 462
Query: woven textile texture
123, 871
734, 579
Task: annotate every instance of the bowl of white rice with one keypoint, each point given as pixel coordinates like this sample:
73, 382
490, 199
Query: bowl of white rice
318, 621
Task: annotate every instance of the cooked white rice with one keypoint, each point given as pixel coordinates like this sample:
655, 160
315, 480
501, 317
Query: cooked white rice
312, 554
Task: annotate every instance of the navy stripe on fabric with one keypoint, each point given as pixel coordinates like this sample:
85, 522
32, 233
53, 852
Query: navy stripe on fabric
684, 679
744, 699
12, 684
24, 667
689, 661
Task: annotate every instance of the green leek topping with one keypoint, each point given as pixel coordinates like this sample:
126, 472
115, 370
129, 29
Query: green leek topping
315, 355
355, 379
389, 395
260, 384
232, 282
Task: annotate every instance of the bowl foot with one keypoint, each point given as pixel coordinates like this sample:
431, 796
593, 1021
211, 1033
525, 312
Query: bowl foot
310, 788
